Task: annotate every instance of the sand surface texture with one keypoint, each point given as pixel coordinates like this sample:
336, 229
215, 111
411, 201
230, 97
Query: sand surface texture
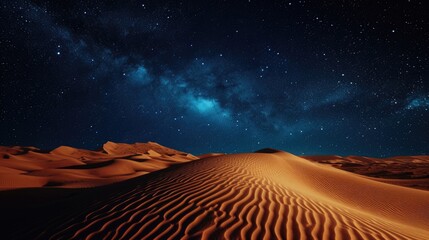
267, 195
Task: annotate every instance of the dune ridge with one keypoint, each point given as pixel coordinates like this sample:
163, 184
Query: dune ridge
248, 196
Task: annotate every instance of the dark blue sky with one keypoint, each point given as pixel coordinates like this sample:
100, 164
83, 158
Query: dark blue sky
308, 77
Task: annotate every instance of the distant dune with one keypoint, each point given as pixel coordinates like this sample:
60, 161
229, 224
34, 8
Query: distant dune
408, 171
67, 167
269, 194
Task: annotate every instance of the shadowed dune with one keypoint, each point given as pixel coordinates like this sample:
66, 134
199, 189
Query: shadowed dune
240, 196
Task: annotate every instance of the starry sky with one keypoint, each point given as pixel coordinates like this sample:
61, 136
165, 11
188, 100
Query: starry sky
308, 77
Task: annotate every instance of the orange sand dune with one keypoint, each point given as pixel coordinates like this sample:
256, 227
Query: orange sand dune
265, 195
67, 167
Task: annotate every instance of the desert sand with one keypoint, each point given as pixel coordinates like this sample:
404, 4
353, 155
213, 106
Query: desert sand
265, 195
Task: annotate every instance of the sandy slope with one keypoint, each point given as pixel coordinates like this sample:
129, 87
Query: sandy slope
68, 167
242, 196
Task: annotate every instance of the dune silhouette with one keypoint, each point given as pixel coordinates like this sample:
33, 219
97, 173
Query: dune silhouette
270, 194
267, 150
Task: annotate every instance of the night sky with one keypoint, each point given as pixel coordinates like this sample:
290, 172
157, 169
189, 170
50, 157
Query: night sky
308, 77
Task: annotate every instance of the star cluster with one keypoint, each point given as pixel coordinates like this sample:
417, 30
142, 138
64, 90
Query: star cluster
309, 77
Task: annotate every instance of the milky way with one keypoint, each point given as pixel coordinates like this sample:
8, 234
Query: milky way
309, 77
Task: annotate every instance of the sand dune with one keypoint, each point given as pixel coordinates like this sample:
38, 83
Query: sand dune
265, 195
68, 167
